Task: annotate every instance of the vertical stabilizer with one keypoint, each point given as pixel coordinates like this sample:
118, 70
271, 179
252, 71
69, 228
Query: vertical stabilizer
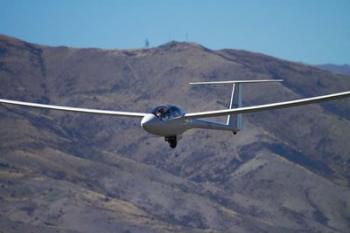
235, 120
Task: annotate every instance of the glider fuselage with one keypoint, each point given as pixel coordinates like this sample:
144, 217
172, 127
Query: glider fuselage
164, 128
169, 120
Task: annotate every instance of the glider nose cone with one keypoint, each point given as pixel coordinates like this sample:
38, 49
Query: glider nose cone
151, 124
148, 121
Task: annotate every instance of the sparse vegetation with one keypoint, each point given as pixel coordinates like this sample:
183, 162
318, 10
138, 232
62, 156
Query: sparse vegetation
287, 171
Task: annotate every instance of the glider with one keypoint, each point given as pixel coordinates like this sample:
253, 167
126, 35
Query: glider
171, 122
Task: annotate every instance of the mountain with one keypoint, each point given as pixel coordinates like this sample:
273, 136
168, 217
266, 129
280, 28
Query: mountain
340, 69
287, 171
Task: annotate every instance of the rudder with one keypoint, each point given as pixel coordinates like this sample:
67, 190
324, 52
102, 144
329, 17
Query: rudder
235, 120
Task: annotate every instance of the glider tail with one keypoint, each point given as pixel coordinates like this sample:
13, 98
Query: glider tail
234, 121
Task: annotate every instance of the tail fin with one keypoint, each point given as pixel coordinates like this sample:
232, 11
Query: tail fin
234, 121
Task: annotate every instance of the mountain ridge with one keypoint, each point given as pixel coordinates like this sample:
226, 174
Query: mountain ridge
286, 171
340, 69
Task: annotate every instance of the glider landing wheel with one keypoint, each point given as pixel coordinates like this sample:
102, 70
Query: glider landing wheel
172, 141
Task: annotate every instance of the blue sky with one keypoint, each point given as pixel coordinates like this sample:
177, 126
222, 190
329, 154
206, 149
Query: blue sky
310, 31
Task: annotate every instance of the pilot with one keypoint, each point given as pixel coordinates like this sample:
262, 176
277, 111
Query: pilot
160, 113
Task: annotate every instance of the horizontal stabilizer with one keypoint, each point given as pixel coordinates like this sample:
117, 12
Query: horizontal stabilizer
238, 81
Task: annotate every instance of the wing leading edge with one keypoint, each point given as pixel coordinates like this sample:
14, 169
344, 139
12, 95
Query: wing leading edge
266, 107
73, 109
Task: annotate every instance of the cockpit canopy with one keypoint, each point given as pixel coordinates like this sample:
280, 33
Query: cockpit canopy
167, 112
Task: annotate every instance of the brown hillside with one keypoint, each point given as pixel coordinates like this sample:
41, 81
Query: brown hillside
287, 171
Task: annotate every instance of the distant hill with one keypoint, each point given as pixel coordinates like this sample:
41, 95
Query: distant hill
341, 69
287, 171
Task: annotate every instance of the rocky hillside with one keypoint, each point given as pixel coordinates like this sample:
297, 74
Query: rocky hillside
287, 171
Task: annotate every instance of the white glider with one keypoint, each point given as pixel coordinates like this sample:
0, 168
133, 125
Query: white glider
170, 121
